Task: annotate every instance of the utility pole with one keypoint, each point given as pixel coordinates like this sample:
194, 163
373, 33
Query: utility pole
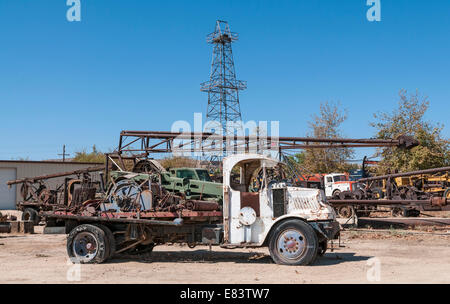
64, 153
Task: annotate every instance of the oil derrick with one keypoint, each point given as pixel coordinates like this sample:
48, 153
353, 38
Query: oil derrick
222, 87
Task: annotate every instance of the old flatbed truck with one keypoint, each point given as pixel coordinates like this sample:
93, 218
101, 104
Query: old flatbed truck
295, 223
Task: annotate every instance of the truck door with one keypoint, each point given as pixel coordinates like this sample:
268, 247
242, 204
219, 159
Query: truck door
328, 186
242, 196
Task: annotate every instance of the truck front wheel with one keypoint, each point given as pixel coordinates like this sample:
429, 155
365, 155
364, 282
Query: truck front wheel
293, 242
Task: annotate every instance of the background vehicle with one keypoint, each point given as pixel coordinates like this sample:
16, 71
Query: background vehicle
193, 182
337, 183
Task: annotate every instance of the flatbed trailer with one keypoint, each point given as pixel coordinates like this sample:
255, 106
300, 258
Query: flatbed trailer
398, 207
400, 199
94, 239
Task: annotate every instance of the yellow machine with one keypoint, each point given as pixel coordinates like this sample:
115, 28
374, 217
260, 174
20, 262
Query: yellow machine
432, 184
420, 185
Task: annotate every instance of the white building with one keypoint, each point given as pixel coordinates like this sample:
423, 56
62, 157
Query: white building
14, 169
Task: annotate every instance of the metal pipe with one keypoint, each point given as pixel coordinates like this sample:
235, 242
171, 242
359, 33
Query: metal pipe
199, 135
377, 202
50, 176
427, 171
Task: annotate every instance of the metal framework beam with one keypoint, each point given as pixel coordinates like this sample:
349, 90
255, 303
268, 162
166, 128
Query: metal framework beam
148, 142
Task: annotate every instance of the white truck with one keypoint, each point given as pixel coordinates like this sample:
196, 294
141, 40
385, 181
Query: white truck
295, 223
337, 183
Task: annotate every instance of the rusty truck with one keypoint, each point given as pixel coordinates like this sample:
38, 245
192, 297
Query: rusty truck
138, 214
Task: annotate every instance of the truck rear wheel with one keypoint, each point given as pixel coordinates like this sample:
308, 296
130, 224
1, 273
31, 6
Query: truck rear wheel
447, 193
293, 242
30, 214
111, 241
87, 244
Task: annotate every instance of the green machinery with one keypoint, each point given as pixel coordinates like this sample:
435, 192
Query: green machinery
194, 183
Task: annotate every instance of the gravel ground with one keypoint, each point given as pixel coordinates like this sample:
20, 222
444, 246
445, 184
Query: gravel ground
364, 257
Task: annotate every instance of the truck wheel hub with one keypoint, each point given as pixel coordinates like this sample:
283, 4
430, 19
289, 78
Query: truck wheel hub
291, 244
85, 246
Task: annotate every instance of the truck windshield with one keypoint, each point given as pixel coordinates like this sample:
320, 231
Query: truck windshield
203, 175
340, 178
186, 174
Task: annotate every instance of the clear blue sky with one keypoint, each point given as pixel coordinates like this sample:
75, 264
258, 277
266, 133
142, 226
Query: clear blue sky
133, 64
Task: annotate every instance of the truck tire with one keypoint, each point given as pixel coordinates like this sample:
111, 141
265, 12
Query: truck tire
377, 193
336, 194
111, 241
87, 244
447, 193
346, 211
30, 214
397, 212
293, 242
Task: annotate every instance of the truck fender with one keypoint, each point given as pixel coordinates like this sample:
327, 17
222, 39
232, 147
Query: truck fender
279, 221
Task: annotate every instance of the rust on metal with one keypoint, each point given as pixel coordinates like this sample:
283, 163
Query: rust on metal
50, 176
403, 174
250, 199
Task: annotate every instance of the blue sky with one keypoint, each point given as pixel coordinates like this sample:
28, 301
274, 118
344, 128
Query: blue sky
138, 65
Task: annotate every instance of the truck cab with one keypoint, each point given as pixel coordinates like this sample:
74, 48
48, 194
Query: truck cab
336, 183
261, 207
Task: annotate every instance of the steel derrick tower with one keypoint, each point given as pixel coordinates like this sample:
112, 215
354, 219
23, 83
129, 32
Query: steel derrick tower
222, 87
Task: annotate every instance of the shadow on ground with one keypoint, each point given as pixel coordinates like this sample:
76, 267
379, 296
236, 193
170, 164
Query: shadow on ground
334, 258
205, 256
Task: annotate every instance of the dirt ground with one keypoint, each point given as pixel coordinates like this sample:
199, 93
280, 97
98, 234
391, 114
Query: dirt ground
389, 256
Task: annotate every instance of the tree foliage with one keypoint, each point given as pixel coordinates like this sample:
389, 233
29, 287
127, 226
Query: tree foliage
326, 124
92, 157
408, 119
179, 162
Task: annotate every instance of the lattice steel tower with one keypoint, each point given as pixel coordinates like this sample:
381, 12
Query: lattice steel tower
222, 87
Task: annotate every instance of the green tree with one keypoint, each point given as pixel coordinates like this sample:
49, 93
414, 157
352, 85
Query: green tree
92, 157
178, 162
408, 119
326, 124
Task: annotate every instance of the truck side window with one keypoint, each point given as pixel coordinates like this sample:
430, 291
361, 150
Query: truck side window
329, 179
203, 175
243, 174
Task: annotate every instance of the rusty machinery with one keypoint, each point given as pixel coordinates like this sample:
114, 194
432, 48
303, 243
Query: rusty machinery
138, 146
124, 191
133, 153
37, 196
427, 190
